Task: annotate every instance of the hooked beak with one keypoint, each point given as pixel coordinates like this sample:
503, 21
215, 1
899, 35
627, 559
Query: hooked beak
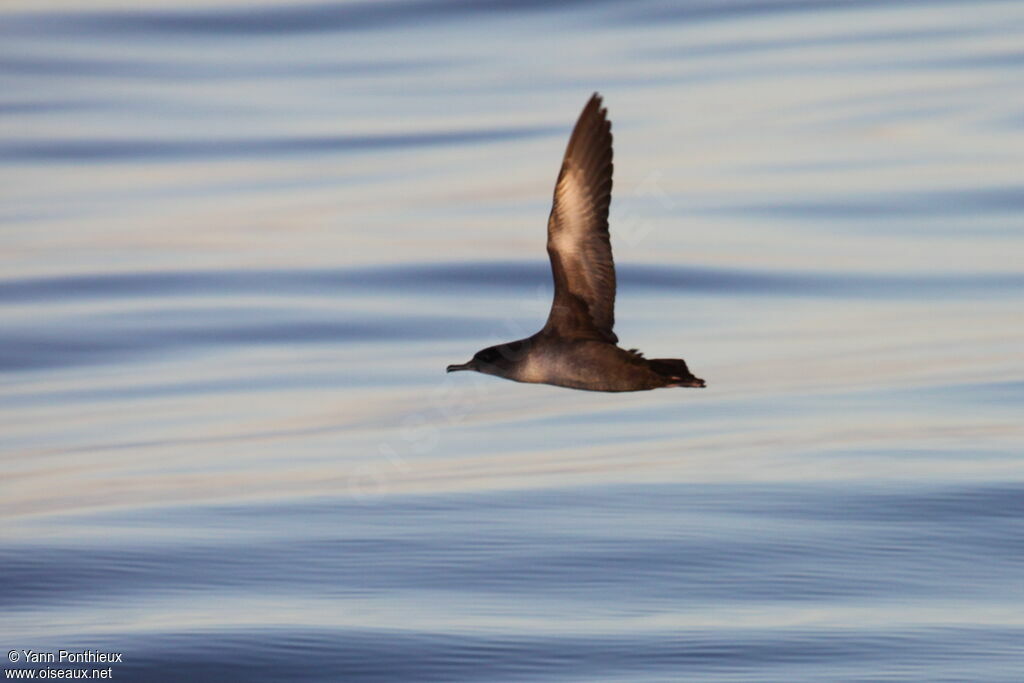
461, 366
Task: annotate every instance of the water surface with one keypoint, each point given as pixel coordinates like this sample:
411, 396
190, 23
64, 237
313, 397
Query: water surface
240, 244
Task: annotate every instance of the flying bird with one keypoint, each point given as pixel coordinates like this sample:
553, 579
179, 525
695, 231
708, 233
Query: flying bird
576, 347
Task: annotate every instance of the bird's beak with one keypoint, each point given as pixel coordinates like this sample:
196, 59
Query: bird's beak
460, 366
696, 382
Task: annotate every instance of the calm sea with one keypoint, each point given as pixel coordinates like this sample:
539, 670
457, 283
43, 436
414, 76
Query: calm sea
240, 242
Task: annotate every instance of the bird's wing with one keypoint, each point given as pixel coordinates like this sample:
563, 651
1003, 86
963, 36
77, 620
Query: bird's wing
578, 244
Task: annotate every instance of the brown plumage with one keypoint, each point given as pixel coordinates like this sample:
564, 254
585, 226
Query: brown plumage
578, 241
576, 347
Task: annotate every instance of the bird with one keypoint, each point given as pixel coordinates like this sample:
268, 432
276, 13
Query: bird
577, 348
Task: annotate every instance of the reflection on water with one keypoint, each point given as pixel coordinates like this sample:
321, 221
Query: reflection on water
241, 244
191, 310
116, 150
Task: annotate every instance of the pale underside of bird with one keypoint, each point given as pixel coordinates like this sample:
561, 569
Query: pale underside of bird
577, 348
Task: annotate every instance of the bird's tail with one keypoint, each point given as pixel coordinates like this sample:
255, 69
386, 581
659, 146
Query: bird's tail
674, 370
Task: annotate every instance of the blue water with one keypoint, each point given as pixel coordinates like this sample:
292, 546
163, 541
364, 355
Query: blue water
240, 244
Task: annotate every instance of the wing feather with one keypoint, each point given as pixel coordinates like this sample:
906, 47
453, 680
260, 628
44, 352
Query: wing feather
578, 241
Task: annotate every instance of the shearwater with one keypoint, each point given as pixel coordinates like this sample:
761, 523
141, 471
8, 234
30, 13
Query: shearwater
576, 347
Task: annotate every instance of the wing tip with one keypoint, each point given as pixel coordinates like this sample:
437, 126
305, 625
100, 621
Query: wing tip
596, 103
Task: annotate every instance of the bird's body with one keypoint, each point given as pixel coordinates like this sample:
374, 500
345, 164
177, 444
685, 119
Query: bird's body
582, 364
576, 347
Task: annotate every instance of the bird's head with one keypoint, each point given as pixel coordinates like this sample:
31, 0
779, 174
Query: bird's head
494, 360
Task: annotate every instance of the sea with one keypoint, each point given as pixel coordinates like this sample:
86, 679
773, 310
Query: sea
240, 242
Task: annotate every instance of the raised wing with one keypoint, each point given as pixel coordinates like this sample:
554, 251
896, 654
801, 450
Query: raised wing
578, 244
